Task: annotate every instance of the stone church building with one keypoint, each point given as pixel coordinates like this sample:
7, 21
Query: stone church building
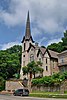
31, 51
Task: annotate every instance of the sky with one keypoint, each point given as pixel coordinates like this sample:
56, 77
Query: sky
48, 21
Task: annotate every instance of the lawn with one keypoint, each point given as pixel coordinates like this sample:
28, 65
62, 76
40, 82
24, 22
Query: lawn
48, 94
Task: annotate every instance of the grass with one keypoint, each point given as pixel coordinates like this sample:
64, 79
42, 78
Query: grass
65, 92
48, 94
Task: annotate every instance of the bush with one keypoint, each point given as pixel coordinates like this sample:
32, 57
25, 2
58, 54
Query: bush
2, 83
65, 75
55, 79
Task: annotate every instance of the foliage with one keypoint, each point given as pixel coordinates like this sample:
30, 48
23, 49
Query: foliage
64, 39
50, 80
57, 46
16, 75
10, 62
32, 68
65, 75
2, 83
25, 70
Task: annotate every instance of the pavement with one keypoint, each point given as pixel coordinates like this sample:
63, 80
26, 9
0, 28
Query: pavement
11, 97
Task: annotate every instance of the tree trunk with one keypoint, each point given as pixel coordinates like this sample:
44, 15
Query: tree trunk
30, 75
34, 74
30, 78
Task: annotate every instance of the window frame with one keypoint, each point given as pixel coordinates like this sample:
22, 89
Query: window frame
31, 57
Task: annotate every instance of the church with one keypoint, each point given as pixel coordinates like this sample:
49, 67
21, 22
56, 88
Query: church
31, 51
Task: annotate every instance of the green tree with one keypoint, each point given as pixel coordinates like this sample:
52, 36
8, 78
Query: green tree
64, 39
10, 62
32, 68
2, 83
56, 47
60, 46
16, 75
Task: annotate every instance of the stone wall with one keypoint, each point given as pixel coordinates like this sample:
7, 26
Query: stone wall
12, 85
46, 88
63, 86
60, 88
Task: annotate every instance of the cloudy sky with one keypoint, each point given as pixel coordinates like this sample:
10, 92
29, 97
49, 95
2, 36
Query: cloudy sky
48, 21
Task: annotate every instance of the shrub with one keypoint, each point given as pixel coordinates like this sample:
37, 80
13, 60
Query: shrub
65, 75
2, 83
55, 79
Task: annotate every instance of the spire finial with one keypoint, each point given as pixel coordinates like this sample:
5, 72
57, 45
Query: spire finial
28, 33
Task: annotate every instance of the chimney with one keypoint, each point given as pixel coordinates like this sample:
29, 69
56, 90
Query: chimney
36, 44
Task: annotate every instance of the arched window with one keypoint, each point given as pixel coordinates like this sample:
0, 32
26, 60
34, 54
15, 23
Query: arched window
46, 60
39, 59
31, 57
46, 68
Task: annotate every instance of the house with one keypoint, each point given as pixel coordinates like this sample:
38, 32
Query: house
33, 52
62, 61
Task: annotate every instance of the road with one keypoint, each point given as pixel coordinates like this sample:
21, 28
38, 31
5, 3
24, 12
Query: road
6, 97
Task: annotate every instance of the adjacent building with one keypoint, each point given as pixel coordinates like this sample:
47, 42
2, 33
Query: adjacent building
62, 61
31, 51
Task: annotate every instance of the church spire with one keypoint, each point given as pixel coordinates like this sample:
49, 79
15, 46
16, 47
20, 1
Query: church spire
28, 31
28, 36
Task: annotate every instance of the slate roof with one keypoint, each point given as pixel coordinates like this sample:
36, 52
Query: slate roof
63, 52
43, 50
53, 54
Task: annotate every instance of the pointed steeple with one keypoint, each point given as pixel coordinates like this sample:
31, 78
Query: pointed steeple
28, 36
28, 31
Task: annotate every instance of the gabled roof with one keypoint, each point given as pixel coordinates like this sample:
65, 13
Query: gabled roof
64, 52
30, 47
42, 50
53, 54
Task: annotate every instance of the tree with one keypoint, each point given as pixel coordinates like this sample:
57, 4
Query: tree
61, 46
32, 68
2, 83
56, 47
10, 62
64, 39
16, 75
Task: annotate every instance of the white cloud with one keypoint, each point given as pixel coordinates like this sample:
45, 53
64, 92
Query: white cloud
48, 15
35, 31
54, 41
41, 40
8, 45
